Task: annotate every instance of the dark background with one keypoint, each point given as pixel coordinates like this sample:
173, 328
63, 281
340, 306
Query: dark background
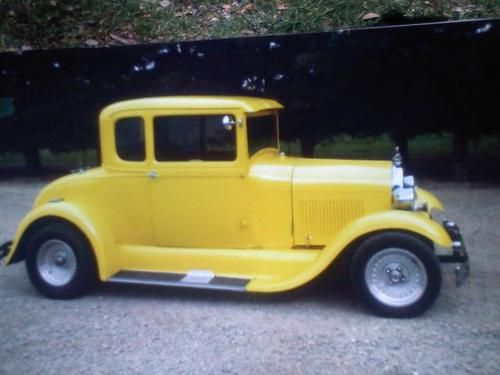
397, 80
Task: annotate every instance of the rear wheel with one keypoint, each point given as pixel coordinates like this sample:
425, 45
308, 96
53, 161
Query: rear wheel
59, 261
396, 274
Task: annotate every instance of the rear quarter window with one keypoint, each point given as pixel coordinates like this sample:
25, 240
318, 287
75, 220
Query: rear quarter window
129, 139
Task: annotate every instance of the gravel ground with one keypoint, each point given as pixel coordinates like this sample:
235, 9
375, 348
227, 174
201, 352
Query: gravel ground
124, 329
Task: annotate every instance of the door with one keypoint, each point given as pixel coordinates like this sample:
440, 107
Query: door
123, 194
199, 193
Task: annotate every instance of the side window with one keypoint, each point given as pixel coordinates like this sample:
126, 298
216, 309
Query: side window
129, 139
202, 137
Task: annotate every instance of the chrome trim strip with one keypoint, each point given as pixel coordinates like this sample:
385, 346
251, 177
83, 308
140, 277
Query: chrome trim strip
198, 277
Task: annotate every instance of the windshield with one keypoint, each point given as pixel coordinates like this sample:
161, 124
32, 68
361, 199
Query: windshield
262, 132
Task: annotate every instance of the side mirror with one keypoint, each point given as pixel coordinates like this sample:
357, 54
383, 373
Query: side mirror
228, 122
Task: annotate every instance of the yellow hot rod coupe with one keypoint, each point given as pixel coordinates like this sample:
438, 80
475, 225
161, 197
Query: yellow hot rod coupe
194, 192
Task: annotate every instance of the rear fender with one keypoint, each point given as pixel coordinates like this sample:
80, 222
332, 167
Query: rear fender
89, 222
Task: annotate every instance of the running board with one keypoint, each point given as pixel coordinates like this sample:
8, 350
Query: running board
193, 279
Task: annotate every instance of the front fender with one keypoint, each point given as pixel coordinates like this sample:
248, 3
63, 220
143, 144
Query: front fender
408, 221
412, 222
88, 221
424, 196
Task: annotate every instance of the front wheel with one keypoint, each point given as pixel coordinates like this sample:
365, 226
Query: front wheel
396, 274
59, 261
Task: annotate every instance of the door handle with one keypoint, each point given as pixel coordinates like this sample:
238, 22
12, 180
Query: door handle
152, 174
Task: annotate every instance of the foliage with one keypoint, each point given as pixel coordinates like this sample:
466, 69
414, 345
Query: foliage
34, 24
68, 23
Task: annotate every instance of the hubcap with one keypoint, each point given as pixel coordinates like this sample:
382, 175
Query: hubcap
396, 277
56, 262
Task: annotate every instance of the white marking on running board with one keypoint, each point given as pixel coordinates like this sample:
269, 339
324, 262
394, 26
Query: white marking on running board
198, 277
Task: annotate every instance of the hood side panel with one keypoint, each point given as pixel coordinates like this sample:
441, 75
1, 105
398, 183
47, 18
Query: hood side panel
329, 194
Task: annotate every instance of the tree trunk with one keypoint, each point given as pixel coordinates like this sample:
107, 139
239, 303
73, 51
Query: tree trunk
460, 156
307, 146
32, 159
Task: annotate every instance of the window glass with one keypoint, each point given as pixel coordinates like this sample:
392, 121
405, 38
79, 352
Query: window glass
204, 137
129, 138
262, 133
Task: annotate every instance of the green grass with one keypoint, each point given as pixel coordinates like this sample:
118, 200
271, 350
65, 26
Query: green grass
345, 146
69, 23
429, 146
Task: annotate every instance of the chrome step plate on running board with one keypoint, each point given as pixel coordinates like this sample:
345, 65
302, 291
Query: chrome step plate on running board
193, 279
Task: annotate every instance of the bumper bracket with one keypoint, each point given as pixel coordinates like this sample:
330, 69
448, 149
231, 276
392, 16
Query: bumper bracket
459, 254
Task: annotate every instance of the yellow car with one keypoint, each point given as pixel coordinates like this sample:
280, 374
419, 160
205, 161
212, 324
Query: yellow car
194, 192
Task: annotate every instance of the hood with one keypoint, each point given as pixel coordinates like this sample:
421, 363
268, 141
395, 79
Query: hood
349, 173
301, 171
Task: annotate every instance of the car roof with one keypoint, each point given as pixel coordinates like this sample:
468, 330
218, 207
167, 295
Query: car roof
247, 104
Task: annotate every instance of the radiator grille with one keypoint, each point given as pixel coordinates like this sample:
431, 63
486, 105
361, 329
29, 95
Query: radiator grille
323, 218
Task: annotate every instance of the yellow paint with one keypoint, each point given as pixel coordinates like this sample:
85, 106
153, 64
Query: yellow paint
423, 196
259, 264
277, 220
330, 194
91, 224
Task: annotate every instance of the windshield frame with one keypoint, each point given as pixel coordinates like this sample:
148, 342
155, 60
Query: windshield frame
264, 113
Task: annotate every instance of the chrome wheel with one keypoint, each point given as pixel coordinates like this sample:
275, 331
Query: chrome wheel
56, 262
395, 277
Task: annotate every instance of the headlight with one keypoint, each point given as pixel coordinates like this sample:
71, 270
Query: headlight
403, 194
403, 187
